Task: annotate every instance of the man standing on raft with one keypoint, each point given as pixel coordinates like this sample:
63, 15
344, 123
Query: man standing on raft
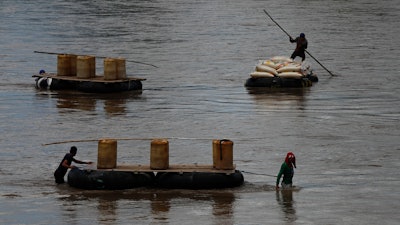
65, 164
287, 171
301, 46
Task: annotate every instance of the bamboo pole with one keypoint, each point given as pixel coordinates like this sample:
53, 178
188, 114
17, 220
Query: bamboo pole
102, 57
122, 139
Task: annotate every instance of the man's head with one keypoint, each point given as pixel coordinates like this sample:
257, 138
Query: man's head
73, 150
302, 35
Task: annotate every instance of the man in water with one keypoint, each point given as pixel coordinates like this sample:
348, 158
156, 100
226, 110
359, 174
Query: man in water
301, 46
65, 164
287, 171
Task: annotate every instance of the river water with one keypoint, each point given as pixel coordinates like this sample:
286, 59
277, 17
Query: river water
344, 130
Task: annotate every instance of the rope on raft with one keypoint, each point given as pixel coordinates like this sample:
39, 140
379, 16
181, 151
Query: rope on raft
261, 174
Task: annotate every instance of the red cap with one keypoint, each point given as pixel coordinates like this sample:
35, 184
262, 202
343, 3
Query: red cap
290, 159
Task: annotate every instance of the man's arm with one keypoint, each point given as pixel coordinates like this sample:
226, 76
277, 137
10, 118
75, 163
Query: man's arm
279, 176
80, 162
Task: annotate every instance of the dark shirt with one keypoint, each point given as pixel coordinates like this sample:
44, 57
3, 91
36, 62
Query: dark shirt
301, 44
61, 170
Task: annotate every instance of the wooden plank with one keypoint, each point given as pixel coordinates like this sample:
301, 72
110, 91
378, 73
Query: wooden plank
172, 169
94, 79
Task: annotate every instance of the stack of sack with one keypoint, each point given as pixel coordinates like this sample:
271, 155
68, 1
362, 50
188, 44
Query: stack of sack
280, 66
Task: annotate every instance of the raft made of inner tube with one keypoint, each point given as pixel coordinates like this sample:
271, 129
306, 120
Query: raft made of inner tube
93, 85
109, 180
278, 82
175, 177
281, 72
198, 180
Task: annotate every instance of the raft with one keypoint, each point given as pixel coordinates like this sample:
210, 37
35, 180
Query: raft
108, 180
281, 72
159, 173
92, 85
198, 180
79, 73
177, 177
280, 82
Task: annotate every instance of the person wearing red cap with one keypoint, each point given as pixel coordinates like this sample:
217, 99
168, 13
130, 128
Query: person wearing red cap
287, 171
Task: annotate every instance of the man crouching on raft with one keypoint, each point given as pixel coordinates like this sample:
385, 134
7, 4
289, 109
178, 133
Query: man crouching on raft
287, 171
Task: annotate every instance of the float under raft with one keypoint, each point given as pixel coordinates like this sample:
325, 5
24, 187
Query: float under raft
175, 177
95, 84
109, 180
199, 180
279, 82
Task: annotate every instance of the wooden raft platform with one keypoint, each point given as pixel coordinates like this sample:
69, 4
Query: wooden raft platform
92, 79
172, 169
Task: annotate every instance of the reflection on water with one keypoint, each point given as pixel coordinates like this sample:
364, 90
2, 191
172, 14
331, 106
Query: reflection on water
113, 103
107, 206
76, 102
287, 204
223, 207
277, 91
278, 98
111, 204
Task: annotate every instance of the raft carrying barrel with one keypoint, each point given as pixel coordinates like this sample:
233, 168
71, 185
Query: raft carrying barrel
109, 176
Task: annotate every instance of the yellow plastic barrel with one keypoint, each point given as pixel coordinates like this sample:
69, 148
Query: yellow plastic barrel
107, 154
223, 154
159, 154
121, 68
66, 65
84, 67
110, 69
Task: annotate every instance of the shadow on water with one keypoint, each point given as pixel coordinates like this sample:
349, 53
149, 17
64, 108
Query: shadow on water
113, 103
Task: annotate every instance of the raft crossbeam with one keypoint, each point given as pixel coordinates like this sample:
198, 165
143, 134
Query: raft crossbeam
172, 169
92, 79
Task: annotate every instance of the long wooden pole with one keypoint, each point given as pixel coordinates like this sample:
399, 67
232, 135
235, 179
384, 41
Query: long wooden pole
292, 38
122, 139
277, 24
57, 53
